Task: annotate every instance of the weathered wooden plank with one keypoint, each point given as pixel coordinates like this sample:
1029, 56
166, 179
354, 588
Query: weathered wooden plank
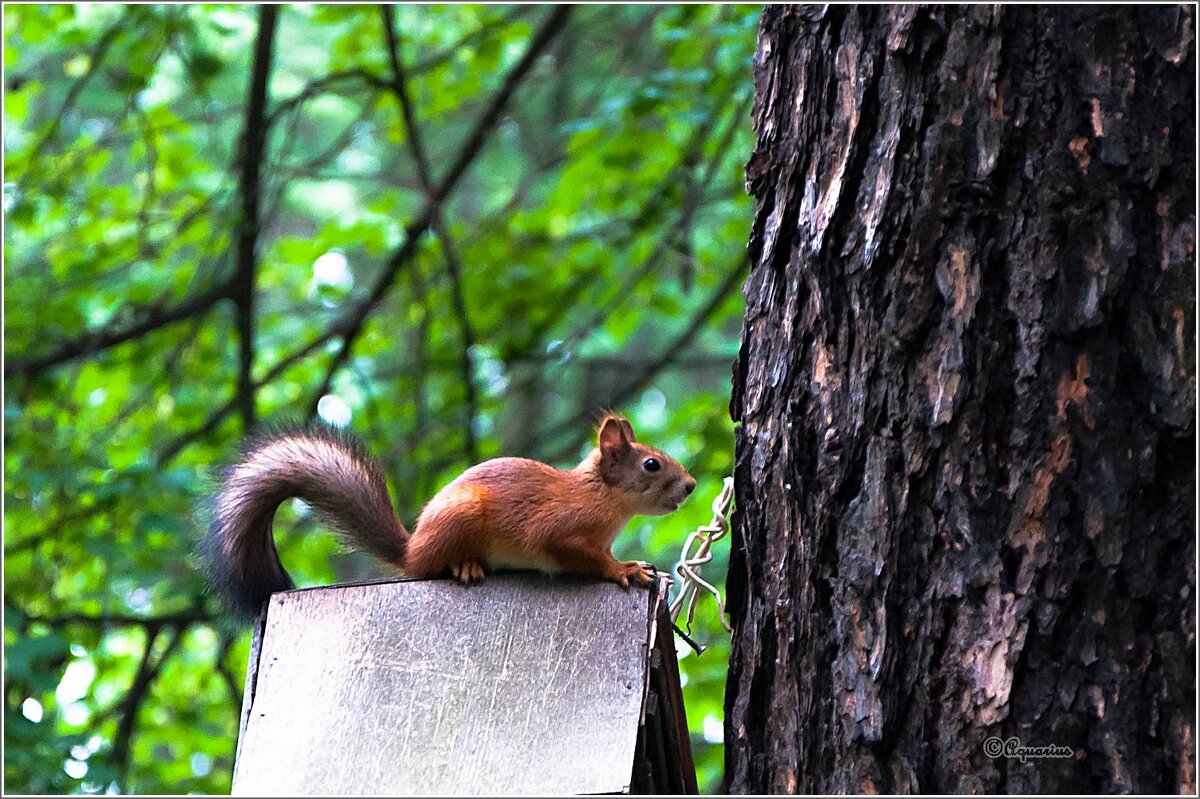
669, 689
256, 636
525, 684
663, 761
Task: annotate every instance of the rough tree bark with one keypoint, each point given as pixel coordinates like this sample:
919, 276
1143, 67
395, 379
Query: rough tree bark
966, 460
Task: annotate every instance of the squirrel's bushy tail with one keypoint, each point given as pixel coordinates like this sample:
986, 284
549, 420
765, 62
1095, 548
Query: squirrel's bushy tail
327, 468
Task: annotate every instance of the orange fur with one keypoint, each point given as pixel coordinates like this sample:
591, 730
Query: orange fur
524, 513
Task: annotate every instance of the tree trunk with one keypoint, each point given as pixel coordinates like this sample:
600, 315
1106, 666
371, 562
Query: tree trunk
966, 460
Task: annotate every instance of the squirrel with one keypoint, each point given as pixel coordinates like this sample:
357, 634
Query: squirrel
505, 512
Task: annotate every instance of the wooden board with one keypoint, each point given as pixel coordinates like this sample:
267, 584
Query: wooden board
663, 762
526, 684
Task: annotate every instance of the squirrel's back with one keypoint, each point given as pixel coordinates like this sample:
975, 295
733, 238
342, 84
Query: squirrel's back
514, 505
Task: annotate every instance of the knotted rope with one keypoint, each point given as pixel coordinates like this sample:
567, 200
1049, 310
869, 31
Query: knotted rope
689, 565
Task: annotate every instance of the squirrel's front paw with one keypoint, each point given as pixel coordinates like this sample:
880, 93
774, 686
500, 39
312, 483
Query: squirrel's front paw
639, 573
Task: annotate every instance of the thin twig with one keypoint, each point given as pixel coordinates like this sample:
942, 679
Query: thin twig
654, 367
415, 484
648, 373
319, 85
181, 441
453, 264
442, 56
151, 192
653, 205
95, 59
377, 82
538, 360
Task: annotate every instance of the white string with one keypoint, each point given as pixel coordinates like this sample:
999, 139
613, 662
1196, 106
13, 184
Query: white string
688, 567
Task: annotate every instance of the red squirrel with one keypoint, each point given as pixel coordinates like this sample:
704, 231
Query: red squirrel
512, 512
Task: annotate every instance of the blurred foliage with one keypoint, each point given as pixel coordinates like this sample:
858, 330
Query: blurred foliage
601, 230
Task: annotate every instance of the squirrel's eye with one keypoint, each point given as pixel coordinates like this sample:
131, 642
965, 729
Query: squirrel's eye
651, 465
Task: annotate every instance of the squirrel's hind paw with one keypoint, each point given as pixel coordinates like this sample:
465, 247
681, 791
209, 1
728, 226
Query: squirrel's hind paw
468, 572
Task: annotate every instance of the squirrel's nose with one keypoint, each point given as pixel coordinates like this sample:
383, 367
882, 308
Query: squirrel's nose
690, 485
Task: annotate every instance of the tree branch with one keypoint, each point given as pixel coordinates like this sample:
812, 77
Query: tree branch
181, 619
232, 684
356, 317
131, 703
216, 417
349, 325
100, 340
413, 482
151, 193
253, 145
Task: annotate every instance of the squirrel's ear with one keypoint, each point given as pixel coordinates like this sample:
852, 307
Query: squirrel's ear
613, 439
628, 430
